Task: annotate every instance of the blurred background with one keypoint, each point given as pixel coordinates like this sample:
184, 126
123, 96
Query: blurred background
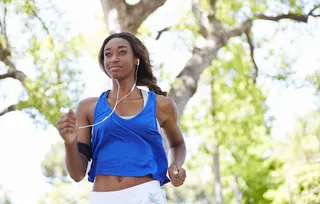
245, 76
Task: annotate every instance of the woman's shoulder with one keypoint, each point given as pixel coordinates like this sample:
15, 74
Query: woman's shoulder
86, 108
87, 103
167, 111
91, 100
166, 103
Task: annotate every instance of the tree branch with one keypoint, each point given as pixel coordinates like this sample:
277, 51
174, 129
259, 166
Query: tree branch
120, 16
246, 26
162, 31
8, 109
255, 75
242, 28
111, 17
19, 75
141, 11
291, 16
202, 19
5, 49
4, 27
311, 12
239, 29
213, 6
44, 26
4, 57
186, 82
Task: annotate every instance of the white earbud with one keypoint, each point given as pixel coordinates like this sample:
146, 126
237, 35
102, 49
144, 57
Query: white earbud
117, 100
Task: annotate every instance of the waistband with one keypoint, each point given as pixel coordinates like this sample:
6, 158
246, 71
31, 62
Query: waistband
148, 187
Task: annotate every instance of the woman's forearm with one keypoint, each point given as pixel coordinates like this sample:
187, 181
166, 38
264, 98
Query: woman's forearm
178, 154
75, 162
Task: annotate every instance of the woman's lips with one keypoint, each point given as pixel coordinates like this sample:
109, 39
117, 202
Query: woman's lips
115, 68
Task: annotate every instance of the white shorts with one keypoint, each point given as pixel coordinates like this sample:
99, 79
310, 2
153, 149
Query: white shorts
146, 193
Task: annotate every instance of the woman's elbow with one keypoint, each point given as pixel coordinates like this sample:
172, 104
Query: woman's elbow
77, 178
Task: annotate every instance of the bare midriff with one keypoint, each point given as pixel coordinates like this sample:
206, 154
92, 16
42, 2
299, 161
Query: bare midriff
104, 183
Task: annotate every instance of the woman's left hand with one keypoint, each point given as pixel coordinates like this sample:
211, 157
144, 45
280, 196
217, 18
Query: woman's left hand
177, 175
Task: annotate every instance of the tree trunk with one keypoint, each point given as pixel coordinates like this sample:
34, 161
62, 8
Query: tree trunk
237, 192
186, 82
120, 16
217, 179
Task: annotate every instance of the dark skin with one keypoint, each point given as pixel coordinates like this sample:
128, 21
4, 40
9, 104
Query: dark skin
120, 64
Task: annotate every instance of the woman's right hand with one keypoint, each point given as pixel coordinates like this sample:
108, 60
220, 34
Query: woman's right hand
67, 127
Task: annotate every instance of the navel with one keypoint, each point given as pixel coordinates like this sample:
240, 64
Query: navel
119, 178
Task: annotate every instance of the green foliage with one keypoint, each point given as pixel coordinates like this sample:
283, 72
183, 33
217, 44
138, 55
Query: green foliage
300, 153
232, 12
188, 23
144, 31
56, 83
238, 102
53, 164
307, 188
238, 123
233, 116
70, 193
314, 80
4, 198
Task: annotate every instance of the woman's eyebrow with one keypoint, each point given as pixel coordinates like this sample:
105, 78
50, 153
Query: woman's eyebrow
120, 46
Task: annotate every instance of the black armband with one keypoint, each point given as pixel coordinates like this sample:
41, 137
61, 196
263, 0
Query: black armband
85, 149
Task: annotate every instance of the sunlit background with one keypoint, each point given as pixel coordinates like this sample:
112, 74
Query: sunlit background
279, 160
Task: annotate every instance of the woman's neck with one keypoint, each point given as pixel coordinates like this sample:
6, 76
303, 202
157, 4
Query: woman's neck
124, 89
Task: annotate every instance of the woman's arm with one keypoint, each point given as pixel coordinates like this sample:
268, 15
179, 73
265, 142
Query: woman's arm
169, 122
68, 128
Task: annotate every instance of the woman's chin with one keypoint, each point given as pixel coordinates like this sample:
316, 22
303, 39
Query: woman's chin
116, 76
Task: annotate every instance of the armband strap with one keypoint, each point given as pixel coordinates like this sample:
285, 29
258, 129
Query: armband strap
85, 149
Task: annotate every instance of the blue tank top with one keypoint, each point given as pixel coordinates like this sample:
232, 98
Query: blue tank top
127, 147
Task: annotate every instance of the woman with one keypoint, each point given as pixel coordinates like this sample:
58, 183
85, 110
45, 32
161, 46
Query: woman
119, 131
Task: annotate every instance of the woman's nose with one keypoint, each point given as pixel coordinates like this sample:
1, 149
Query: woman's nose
114, 58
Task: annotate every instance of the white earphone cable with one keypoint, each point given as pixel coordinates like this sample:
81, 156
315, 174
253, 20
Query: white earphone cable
117, 101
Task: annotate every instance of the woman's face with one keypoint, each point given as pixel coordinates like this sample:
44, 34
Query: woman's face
119, 60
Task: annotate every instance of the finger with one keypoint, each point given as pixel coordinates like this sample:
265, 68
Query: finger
176, 184
60, 120
65, 132
174, 170
180, 182
66, 125
70, 119
182, 172
172, 178
71, 113
64, 118
180, 179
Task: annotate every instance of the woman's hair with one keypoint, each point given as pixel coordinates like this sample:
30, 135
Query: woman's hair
144, 76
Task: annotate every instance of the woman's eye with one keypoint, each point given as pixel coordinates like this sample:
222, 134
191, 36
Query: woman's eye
107, 54
122, 52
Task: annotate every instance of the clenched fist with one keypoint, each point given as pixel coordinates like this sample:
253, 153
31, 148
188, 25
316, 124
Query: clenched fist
177, 175
67, 127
